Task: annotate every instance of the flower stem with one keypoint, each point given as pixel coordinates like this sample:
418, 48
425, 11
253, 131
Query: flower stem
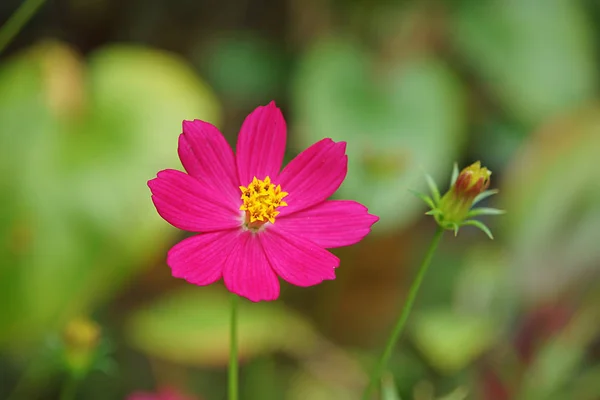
17, 21
233, 352
399, 327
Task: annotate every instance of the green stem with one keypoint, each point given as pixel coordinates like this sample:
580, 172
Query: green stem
399, 327
233, 352
17, 21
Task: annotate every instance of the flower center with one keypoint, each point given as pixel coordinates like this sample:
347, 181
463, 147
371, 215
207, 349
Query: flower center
261, 199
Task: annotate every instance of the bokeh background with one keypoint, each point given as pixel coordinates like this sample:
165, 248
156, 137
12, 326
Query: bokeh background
92, 95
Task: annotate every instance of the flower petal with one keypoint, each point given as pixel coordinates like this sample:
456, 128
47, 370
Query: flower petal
206, 155
314, 175
297, 260
247, 271
333, 223
186, 204
261, 144
200, 259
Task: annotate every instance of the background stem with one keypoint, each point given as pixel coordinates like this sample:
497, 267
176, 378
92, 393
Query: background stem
233, 352
17, 21
399, 327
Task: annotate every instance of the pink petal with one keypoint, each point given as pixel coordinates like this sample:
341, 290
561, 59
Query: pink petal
261, 144
314, 175
333, 223
247, 271
296, 259
199, 259
206, 155
186, 204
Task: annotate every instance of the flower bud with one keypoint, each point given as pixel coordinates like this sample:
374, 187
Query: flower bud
454, 209
472, 180
456, 203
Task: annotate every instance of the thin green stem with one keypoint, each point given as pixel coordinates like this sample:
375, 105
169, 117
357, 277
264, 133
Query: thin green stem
399, 327
17, 21
233, 352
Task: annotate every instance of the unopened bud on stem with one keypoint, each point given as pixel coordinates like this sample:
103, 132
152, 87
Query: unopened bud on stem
454, 209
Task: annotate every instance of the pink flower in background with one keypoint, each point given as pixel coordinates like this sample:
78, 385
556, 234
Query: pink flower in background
257, 222
163, 394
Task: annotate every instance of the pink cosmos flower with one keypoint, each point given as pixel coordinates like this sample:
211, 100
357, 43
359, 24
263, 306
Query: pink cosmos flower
256, 221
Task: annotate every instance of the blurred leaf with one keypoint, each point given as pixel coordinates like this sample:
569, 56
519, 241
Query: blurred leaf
497, 140
82, 142
458, 394
388, 388
557, 363
525, 49
450, 341
586, 386
484, 287
308, 386
563, 359
265, 379
192, 327
244, 68
408, 368
553, 203
401, 120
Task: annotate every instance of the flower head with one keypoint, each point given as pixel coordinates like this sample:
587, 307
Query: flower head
454, 208
471, 181
256, 221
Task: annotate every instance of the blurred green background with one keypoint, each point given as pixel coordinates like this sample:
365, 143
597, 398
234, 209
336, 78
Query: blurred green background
92, 95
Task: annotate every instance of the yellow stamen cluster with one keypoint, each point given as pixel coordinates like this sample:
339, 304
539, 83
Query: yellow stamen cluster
260, 201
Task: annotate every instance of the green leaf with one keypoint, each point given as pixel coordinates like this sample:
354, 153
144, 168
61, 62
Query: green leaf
244, 68
388, 388
559, 361
312, 385
524, 49
79, 217
551, 192
480, 225
191, 326
399, 124
460, 393
449, 340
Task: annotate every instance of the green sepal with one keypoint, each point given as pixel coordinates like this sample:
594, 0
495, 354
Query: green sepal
434, 211
484, 211
433, 188
484, 195
455, 228
455, 173
428, 200
480, 225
